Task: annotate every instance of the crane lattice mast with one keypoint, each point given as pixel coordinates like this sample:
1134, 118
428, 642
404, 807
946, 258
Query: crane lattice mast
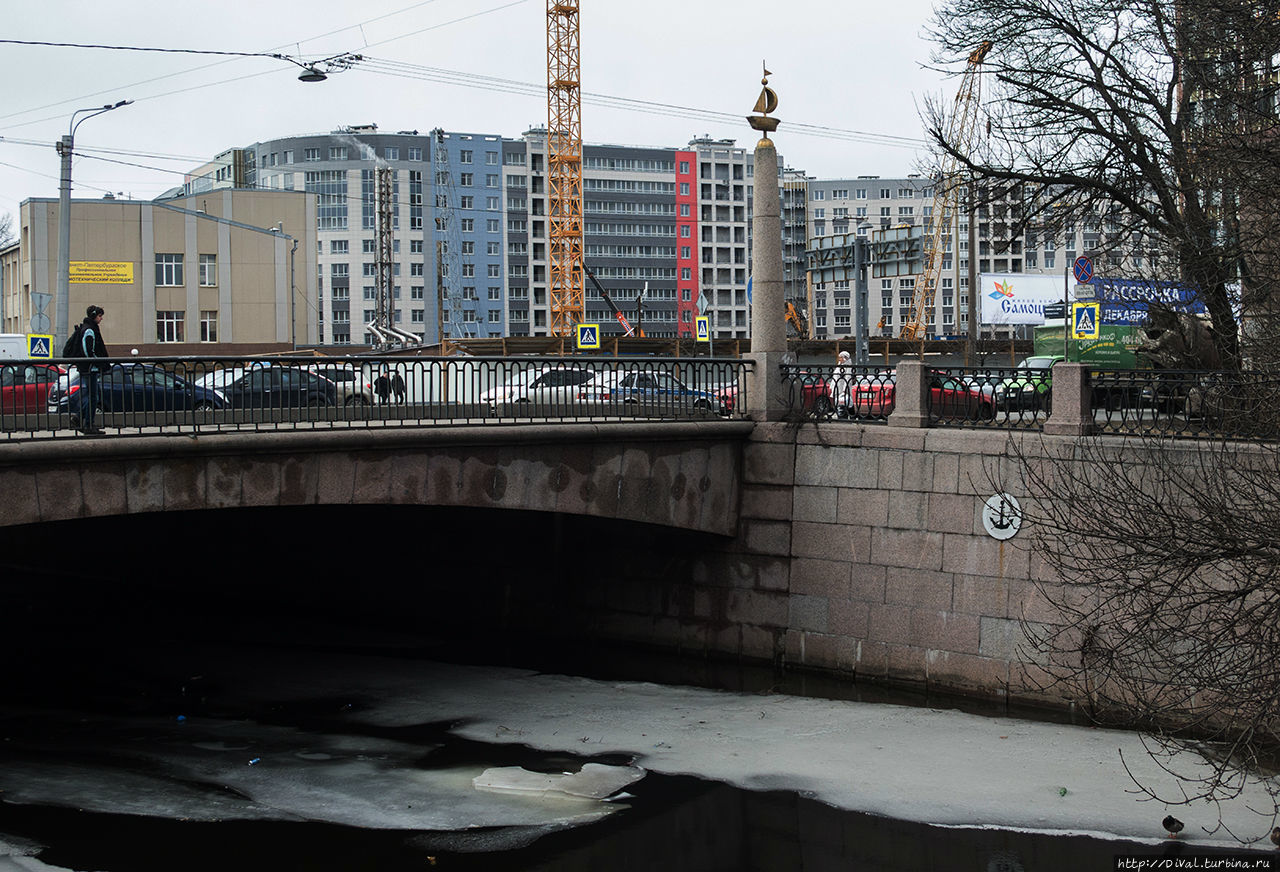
564, 166
960, 134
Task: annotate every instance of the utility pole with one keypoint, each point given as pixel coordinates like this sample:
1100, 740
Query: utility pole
65, 147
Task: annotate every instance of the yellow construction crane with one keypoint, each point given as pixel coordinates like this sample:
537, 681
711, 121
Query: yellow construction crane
960, 134
564, 166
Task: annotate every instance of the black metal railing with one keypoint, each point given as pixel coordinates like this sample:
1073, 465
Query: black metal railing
1230, 405
147, 396
1183, 403
957, 396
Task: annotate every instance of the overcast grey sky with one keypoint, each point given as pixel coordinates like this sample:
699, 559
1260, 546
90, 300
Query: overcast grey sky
853, 68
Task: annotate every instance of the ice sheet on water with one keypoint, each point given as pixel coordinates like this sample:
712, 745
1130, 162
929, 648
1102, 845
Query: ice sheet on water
592, 781
202, 771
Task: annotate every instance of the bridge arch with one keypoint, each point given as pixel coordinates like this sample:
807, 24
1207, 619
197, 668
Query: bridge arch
684, 475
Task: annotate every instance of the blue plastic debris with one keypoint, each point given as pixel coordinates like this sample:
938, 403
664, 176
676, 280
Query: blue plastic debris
255, 760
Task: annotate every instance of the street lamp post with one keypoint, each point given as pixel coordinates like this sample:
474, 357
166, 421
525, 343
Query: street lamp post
65, 147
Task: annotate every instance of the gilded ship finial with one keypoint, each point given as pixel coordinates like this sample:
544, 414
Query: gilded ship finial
767, 102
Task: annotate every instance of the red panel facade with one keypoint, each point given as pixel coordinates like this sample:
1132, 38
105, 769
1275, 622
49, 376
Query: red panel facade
686, 242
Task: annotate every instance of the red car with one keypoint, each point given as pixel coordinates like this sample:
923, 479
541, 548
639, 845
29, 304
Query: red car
815, 395
24, 387
949, 397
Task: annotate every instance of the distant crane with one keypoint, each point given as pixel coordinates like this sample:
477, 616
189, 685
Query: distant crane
564, 166
960, 134
449, 243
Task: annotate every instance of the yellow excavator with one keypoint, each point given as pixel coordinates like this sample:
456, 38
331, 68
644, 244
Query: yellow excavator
796, 320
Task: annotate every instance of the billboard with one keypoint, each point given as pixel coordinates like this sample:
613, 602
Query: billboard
1017, 298
1124, 301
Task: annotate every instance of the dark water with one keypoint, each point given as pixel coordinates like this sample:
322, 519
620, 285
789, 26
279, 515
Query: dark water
98, 660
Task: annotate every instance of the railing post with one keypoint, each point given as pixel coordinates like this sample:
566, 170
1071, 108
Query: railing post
911, 395
1072, 413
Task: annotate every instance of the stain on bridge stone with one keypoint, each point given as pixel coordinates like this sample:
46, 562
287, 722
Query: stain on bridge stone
704, 483
560, 478
498, 485
678, 485
588, 490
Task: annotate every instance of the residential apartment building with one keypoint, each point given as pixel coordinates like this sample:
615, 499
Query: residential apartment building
862, 205
663, 228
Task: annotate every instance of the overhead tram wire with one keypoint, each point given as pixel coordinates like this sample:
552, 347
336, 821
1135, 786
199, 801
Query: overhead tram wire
269, 52
399, 69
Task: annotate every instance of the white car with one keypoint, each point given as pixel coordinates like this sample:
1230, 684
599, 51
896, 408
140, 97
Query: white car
550, 386
355, 388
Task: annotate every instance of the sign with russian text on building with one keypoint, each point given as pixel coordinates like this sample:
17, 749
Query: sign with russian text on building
101, 272
588, 335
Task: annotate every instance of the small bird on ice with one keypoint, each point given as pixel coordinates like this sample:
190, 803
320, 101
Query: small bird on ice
1174, 826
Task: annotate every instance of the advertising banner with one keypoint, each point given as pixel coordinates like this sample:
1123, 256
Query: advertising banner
1017, 298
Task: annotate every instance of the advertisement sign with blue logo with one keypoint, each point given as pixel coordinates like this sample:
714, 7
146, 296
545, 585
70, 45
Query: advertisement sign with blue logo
1020, 298
1125, 301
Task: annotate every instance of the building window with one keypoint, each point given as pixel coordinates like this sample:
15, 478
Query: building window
208, 270
169, 270
339, 270
391, 152
169, 327
684, 167
415, 153
337, 152
466, 179
338, 246
465, 156
311, 154
208, 325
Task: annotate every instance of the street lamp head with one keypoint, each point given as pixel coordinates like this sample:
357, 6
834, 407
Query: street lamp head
312, 74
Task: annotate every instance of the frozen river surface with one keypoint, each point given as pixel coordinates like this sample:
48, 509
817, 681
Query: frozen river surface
355, 743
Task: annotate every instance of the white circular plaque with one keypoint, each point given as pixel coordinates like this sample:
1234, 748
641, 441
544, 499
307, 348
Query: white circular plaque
1002, 516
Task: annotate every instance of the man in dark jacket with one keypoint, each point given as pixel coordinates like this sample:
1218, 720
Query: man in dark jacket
91, 346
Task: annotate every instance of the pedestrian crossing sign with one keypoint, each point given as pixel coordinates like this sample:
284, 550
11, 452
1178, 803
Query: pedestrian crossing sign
704, 329
1084, 320
39, 346
588, 335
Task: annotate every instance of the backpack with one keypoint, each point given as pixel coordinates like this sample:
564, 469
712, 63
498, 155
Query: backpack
75, 343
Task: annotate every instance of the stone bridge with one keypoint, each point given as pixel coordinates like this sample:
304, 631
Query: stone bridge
853, 549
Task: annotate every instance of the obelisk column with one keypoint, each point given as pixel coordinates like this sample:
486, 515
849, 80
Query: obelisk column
766, 393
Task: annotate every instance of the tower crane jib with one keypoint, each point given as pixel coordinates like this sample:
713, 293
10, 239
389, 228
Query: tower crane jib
960, 134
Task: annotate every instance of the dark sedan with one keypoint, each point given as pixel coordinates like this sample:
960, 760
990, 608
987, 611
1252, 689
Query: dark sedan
280, 387
138, 387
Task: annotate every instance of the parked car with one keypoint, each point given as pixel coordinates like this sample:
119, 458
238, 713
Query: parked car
660, 389
814, 393
1030, 387
354, 385
949, 397
280, 387
552, 385
137, 387
24, 387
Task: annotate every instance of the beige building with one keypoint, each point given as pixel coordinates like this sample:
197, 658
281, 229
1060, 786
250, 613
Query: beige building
228, 271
